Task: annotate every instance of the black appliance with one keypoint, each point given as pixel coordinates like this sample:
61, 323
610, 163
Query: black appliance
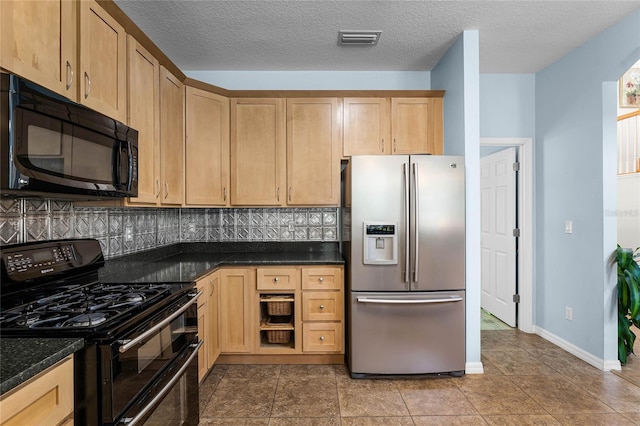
53, 147
139, 362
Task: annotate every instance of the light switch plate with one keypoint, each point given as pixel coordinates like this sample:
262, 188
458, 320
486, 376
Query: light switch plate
568, 227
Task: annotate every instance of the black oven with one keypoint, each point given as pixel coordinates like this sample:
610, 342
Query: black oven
53, 147
140, 367
139, 363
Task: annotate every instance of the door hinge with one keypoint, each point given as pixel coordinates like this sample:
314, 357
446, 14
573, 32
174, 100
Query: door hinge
516, 298
516, 232
516, 166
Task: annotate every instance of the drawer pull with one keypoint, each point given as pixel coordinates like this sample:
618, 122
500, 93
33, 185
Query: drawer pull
321, 279
321, 306
322, 338
276, 279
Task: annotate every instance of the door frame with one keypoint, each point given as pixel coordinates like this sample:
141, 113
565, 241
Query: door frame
525, 224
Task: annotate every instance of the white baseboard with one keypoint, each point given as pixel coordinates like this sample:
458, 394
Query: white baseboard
599, 363
473, 368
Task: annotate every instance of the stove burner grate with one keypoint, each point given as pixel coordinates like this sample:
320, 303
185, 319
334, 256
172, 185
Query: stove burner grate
85, 320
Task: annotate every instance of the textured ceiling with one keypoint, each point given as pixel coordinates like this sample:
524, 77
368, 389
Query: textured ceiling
241, 35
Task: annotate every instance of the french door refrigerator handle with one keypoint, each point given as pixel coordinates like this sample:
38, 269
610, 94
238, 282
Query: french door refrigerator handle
409, 301
406, 223
416, 216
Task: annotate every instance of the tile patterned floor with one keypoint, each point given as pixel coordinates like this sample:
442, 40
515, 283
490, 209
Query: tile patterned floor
527, 381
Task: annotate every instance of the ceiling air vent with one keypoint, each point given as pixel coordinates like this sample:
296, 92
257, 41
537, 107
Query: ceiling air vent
359, 38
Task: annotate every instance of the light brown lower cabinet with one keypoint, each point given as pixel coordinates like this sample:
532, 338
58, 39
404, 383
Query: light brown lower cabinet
46, 399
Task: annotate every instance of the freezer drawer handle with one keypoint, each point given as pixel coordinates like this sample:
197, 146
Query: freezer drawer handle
409, 301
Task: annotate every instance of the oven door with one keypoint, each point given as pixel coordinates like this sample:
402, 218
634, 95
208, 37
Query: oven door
172, 400
136, 361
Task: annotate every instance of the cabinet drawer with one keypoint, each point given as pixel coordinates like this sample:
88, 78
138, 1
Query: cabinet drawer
322, 306
322, 337
327, 278
277, 278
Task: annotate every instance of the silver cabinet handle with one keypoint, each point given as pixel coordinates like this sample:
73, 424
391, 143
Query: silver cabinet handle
289, 193
158, 190
165, 390
224, 196
278, 194
416, 218
128, 344
69, 75
212, 287
406, 221
166, 190
395, 146
87, 80
382, 145
409, 301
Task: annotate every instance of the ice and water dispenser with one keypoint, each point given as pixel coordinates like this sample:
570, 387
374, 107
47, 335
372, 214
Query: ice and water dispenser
380, 244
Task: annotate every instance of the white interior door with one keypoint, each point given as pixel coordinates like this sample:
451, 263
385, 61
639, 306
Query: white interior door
498, 220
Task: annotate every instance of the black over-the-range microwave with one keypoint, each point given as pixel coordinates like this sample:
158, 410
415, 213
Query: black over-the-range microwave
55, 148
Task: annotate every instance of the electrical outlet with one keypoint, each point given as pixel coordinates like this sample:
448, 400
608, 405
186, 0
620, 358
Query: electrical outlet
292, 226
128, 233
568, 313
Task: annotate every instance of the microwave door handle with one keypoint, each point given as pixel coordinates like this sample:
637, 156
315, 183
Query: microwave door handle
165, 390
116, 172
130, 166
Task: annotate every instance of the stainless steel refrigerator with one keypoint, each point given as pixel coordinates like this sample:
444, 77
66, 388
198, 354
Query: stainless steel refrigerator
406, 268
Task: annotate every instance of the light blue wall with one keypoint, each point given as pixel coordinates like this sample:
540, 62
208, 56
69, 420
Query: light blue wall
507, 105
575, 168
458, 74
315, 80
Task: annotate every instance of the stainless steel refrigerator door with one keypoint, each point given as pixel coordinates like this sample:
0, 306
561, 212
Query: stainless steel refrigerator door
379, 193
407, 333
438, 215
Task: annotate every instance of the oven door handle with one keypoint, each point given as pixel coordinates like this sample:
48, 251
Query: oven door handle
132, 421
128, 344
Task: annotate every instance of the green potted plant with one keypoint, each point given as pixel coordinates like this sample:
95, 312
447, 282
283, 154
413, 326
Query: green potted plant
628, 299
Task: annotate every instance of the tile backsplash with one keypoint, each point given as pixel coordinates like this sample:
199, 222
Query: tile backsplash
129, 230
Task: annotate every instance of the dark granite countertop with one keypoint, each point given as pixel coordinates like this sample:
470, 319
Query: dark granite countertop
186, 262
23, 358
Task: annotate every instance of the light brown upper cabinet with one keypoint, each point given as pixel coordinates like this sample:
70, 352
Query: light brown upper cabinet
102, 71
366, 126
416, 125
313, 151
258, 156
392, 126
206, 148
38, 42
171, 138
143, 78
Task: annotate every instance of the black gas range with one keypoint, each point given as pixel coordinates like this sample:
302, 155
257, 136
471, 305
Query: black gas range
139, 361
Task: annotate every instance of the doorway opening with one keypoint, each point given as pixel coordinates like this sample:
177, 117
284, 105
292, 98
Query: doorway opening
524, 263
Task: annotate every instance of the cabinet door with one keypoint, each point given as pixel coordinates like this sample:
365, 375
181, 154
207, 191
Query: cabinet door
206, 148
102, 61
366, 126
203, 335
258, 155
171, 138
214, 335
236, 307
38, 42
313, 151
46, 399
416, 125
143, 78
